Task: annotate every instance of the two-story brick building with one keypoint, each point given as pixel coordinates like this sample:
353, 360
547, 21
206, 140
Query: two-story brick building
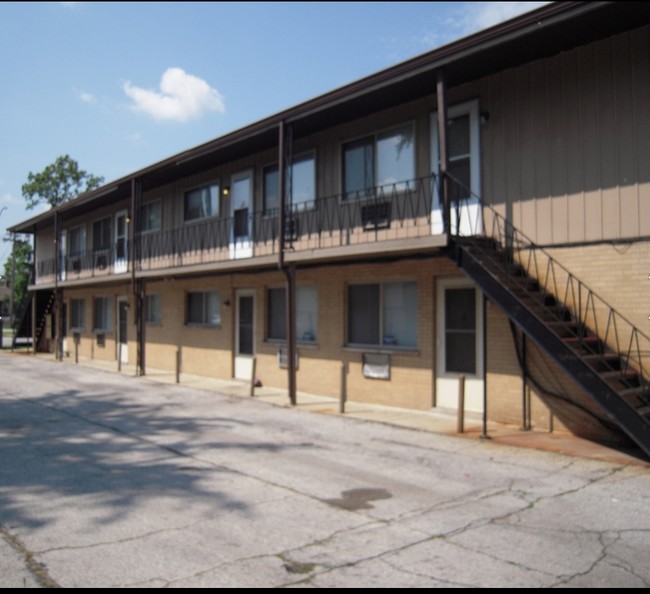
482, 210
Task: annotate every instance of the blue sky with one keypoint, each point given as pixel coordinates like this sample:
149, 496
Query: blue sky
119, 86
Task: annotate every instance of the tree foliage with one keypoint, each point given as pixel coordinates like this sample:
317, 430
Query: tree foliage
57, 183
19, 277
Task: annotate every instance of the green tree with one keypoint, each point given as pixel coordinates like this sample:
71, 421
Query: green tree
19, 274
59, 182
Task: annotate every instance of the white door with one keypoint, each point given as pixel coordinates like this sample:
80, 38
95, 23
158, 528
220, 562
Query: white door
459, 343
63, 260
464, 150
123, 329
121, 242
241, 215
244, 334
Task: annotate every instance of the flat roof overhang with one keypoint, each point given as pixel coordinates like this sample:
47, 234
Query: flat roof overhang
547, 31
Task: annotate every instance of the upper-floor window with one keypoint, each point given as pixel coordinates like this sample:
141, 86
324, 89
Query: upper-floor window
151, 216
77, 241
385, 160
102, 234
300, 185
201, 203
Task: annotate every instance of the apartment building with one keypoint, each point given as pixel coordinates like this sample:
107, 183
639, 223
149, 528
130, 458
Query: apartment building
481, 211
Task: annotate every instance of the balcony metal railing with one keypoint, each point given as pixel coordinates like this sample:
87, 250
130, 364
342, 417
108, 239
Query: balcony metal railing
390, 212
85, 265
397, 211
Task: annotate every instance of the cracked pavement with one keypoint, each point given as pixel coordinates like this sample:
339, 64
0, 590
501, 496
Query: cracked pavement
109, 481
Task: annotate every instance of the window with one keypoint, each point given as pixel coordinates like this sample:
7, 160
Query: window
151, 216
271, 202
202, 203
77, 241
204, 308
78, 314
459, 157
152, 310
460, 331
383, 314
300, 184
306, 314
103, 321
102, 235
385, 159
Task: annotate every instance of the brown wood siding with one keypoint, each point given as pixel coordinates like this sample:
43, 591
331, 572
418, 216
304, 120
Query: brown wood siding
566, 150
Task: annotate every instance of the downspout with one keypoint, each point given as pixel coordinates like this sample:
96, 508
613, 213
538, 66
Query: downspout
34, 293
443, 152
57, 296
288, 271
137, 286
12, 313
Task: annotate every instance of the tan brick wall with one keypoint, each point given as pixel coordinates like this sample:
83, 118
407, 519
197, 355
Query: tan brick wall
505, 378
208, 351
88, 344
616, 272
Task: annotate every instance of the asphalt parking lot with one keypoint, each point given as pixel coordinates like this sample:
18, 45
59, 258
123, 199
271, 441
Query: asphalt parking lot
113, 481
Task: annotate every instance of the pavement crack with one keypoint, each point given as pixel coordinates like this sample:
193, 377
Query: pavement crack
36, 569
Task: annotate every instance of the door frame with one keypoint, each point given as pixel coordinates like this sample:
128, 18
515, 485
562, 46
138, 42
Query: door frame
122, 353
121, 265
447, 382
240, 247
470, 108
242, 364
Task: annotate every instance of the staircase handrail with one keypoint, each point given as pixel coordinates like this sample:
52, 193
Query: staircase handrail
510, 239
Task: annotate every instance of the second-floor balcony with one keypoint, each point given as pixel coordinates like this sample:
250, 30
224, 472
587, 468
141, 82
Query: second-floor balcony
349, 224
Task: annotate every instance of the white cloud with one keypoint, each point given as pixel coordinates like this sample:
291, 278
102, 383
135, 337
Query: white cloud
86, 97
182, 97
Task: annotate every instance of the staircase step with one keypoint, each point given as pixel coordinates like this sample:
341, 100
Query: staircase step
564, 329
644, 410
627, 379
636, 397
604, 362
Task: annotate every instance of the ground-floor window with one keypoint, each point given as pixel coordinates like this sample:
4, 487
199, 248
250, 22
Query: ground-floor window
152, 309
78, 315
306, 314
383, 314
204, 308
103, 321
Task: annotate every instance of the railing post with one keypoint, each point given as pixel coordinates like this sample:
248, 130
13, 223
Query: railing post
253, 372
344, 388
441, 94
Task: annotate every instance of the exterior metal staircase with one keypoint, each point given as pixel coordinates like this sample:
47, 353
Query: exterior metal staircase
44, 304
599, 348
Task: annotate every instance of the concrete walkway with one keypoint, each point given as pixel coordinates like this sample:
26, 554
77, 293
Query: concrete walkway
436, 421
